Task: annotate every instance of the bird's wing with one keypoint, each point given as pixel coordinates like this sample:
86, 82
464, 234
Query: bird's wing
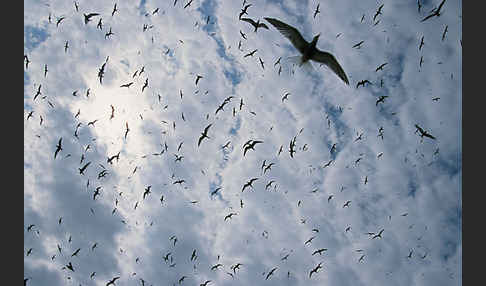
251, 21
263, 25
431, 15
290, 33
330, 61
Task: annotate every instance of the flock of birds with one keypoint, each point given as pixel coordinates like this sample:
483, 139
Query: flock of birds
308, 52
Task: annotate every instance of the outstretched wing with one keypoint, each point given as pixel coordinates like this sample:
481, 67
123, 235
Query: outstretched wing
290, 33
330, 61
249, 21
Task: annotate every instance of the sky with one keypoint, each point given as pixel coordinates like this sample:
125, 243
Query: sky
381, 202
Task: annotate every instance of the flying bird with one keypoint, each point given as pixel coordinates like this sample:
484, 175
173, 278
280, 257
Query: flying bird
256, 24
378, 12
243, 11
381, 67
112, 281
421, 43
358, 45
250, 145
87, 17
435, 12
317, 10
58, 147
270, 273
309, 50
114, 10
249, 184
423, 132
81, 170
444, 33
314, 270
204, 134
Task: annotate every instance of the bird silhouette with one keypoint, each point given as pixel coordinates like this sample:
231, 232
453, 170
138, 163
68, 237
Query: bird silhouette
204, 134
319, 251
423, 132
250, 145
308, 50
271, 273
358, 45
112, 281
381, 67
58, 147
317, 10
378, 12
256, 24
314, 270
435, 12
249, 184
81, 170
87, 17
243, 11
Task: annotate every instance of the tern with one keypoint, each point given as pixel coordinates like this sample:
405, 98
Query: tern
308, 50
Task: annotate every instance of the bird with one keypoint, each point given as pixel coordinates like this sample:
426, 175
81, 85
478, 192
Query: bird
419, 5
107, 35
215, 267
87, 17
358, 45
361, 258
378, 12
145, 84
421, 43
188, 4
381, 99
100, 24
309, 50
27, 61
435, 12
319, 251
75, 252
81, 170
59, 21
45, 70
229, 216
243, 35
285, 97
70, 266
207, 281
317, 10
58, 147
256, 24
314, 270
249, 184
198, 77
309, 240
204, 134
127, 85
114, 10
147, 192
423, 132
250, 145
444, 33
381, 67
250, 54
243, 11
363, 82
38, 92
112, 281
270, 273
378, 235
346, 204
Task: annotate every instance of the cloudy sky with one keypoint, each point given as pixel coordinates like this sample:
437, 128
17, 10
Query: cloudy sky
360, 167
